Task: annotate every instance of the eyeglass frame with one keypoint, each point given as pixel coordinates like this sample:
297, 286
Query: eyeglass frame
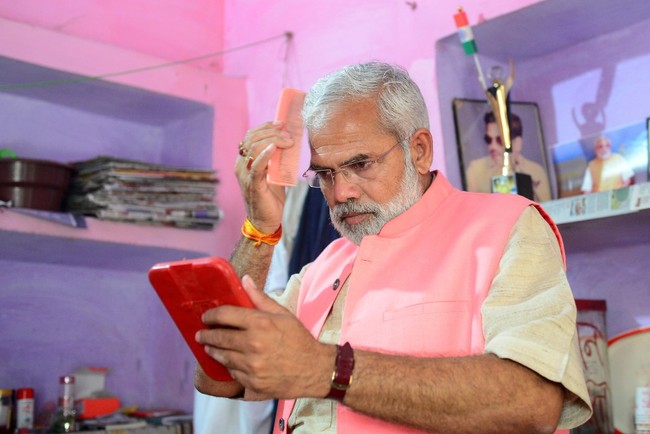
489, 139
345, 168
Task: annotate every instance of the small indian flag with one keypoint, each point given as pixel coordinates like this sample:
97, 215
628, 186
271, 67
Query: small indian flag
465, 32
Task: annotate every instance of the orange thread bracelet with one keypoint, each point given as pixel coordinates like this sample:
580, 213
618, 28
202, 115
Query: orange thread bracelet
252, 233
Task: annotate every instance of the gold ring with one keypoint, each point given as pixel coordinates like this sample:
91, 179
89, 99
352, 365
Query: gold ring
242, 150
250, 162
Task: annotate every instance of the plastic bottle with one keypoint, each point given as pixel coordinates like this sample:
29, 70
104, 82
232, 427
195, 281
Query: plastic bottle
24, 410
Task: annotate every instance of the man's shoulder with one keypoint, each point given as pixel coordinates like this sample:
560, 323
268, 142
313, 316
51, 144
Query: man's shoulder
477, 199
532, 165
479, 162
489, 208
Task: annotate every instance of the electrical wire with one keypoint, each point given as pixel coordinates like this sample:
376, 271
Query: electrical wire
286, 35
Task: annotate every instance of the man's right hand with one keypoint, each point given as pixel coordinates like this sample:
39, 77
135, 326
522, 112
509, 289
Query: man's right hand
264, 202
267, 350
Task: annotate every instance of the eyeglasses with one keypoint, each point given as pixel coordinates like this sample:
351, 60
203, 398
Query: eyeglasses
489, 139
354, 172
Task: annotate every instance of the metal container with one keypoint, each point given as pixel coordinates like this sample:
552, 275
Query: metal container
37, 184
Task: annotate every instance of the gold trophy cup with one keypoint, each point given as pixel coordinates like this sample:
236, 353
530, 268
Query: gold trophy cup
509, 181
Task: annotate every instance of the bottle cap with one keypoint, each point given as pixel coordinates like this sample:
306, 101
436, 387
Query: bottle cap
66, 379
26, 393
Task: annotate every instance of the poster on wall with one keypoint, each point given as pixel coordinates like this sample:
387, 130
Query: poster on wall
480, 151
606, 161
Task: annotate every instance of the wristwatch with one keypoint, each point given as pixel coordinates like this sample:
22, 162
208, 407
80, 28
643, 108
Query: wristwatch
342, 375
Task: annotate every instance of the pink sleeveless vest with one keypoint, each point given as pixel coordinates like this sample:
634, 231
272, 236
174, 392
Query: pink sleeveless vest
415, 288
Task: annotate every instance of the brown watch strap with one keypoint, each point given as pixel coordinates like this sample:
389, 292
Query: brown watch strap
342, 375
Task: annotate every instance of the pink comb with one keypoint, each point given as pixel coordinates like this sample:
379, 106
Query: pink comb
283, 166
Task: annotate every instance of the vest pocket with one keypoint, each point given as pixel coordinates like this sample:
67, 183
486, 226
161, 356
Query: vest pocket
434, 328
437, 307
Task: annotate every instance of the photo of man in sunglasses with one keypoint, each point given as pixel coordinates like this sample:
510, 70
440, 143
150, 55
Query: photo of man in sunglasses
481, 170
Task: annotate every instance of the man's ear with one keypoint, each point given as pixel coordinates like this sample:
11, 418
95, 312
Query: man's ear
422, 150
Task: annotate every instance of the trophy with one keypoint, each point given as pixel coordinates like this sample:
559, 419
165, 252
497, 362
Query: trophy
509, 181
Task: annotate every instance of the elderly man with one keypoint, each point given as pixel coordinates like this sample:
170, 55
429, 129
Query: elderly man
608, 170
438, 310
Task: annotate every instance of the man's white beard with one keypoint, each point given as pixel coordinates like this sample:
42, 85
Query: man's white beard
409, 193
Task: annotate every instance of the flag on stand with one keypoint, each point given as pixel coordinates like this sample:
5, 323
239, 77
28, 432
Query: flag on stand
465, 32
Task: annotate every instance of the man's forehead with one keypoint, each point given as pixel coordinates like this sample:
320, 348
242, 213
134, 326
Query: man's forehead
338, 151
331, 151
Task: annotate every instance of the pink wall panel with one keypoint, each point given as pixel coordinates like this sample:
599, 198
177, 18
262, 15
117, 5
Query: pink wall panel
169, 29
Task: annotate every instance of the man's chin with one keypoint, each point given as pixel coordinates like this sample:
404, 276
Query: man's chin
497, 159
351, 232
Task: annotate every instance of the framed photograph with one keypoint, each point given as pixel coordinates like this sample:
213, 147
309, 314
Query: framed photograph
647, 134
605, 161
480, 151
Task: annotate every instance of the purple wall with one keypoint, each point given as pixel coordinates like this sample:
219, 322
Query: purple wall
99, 118
609, 259
104, 313
115, 322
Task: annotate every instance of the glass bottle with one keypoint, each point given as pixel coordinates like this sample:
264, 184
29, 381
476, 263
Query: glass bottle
64, 419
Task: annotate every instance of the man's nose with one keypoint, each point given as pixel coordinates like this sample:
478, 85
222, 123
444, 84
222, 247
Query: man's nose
342, 188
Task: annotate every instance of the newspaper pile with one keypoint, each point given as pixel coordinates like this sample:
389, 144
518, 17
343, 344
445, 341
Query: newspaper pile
600, 204
132, 191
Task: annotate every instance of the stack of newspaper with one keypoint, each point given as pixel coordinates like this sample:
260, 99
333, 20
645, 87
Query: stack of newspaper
600, 204
132, 191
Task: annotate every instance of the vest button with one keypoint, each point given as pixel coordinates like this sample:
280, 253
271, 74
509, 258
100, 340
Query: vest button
337, 282
281, 424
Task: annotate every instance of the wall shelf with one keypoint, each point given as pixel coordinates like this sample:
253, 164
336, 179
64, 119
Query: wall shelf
77, 297
103, 243
602, 204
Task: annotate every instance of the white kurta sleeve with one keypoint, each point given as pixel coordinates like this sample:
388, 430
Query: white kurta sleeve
529, 315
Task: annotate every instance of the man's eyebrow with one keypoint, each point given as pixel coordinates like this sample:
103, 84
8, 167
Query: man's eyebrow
354, 159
